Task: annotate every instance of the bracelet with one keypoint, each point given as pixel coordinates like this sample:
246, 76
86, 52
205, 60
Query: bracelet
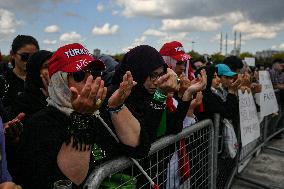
116, 109
159, 96
81, 129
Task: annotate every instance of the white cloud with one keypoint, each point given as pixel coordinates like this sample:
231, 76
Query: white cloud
49, 42
191, 24
145, 7
232, 17
8, 22
281, 46
106, 29
137, 42
258, 30
51, 29
278, 47
115, 12
155, 33
100, 7
274, 47
71, 37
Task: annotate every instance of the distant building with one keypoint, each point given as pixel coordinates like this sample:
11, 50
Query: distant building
235, 52
266, 53
97, 52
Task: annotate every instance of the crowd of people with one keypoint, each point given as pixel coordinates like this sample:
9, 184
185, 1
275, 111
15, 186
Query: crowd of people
65, 112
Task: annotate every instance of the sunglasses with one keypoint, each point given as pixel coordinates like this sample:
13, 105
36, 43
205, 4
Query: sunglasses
24, 56
96, 69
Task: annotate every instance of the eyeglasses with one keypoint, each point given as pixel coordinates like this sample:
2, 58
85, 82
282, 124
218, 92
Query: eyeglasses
24, 56
96, 69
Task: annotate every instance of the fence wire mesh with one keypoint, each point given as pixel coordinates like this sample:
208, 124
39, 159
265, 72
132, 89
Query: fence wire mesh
181, 161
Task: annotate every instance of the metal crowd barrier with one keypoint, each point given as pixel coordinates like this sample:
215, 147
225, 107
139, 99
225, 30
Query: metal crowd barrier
203, 147
227, 169
198, 148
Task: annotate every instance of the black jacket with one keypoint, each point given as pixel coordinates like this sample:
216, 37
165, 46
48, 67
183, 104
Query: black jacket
142, 61
43, 136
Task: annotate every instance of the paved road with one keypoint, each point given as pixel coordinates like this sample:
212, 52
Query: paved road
267, 169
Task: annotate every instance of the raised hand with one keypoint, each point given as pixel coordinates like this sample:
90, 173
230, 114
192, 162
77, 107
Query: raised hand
256, 88
236, 84
246, 80
124, 90
199, 85
91, 97
197, 101
45, 80
14, 128
168, 82
184, 84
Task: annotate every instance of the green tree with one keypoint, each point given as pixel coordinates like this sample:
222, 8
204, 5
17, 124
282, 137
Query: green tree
246, 54
278, 56
195, 55
5, 58
118, 57
217, 58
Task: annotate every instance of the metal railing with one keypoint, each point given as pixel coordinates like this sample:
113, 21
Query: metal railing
162, 164
270, 126
202, 147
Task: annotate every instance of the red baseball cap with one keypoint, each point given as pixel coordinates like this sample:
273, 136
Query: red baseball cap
175, 50
70, 58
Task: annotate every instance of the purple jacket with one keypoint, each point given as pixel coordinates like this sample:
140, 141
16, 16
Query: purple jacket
4, 174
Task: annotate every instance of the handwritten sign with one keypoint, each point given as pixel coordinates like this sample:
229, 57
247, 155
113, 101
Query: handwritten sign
268, 102
250, 61
248, 118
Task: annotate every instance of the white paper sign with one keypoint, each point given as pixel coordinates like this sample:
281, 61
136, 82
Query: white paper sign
248, 118
250, 61
268, 101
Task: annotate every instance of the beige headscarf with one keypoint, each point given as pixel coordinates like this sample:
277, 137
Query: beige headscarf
59, 93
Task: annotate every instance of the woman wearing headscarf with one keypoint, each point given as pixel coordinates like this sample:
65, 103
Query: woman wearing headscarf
35, 93
153, 80
215, 101
68, 138
27, 103
147, 101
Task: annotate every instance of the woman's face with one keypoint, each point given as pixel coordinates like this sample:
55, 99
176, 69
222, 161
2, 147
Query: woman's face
226, 81
215, 81
44, 68
151, 82
22, 55
180, 68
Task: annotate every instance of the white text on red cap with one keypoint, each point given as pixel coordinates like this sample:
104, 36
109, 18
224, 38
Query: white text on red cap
75, 52
178, 49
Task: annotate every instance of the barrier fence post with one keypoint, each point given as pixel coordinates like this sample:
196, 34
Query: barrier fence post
215, 147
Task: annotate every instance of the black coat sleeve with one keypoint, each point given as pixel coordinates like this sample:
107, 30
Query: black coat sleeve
175, 119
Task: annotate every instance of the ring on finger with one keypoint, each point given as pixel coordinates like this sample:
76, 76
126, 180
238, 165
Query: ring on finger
98, 102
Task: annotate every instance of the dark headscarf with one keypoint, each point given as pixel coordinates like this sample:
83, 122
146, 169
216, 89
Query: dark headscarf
210, 70
33, 68
140, 61
110, 64
32, 99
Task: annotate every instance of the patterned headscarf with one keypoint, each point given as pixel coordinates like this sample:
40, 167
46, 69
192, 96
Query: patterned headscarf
59, 93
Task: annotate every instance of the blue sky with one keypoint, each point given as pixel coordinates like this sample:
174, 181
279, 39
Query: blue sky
114, 26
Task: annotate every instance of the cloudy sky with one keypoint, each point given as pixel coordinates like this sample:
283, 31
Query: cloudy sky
114, 26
